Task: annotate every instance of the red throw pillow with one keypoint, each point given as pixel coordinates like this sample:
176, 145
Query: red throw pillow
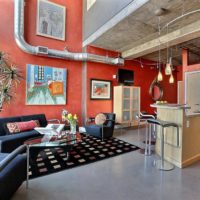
17, 127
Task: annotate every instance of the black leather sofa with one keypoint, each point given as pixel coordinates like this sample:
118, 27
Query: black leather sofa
13, 169
9, 142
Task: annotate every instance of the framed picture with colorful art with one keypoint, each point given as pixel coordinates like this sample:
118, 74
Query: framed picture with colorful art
45, 85
100, 89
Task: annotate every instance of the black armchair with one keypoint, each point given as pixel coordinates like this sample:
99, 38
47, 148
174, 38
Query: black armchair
13, 169
102, 131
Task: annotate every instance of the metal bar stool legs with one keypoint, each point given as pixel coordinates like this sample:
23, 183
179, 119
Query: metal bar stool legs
148, 140
150, 131
102, 136
161, 163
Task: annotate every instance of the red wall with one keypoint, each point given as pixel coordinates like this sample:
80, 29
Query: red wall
143, 77
73, 42
179, 73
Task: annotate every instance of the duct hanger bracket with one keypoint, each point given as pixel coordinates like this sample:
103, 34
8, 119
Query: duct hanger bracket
118, 61
42, 50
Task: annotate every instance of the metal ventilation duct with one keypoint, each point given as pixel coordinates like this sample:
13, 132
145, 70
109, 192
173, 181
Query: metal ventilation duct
45, 51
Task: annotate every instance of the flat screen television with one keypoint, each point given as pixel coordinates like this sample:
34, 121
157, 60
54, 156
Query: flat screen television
125, 77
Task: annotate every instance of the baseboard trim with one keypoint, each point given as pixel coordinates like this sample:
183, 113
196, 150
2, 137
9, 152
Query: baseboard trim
185, 163
191, 160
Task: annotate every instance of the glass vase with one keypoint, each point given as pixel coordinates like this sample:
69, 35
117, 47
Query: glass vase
73, 128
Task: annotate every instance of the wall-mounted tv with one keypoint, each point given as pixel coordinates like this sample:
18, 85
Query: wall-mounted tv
125, 77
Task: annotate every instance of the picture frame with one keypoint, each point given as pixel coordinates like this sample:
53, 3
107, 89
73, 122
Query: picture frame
51, 19
45, 85
100, 89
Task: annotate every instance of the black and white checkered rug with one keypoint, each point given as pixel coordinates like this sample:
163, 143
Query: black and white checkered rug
90, 150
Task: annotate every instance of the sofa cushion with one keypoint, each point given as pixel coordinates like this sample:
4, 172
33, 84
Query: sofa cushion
17, 127
12, 176
40, 117
3, 121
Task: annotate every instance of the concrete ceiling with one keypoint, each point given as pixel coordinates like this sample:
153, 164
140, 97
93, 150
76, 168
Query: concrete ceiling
176, 53
137, 35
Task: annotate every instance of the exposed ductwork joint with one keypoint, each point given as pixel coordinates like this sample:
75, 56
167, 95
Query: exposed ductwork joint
45, 51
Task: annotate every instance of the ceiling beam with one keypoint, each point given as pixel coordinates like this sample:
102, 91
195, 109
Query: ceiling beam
181, 35
193, 52
192, 48
129, 9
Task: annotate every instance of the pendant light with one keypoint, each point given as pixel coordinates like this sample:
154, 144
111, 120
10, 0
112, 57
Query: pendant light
171, 79
160, 76
168, 69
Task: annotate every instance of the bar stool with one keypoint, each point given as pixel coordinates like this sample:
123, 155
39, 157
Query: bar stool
143, 117
162, 164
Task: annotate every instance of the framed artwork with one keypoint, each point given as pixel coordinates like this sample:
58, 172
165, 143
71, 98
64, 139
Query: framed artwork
100, 89
45, 85
51, 20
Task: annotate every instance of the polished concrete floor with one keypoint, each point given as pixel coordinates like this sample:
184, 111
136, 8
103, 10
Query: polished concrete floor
130, 176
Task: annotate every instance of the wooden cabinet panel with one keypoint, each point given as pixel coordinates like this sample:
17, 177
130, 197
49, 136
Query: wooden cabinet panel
126, 104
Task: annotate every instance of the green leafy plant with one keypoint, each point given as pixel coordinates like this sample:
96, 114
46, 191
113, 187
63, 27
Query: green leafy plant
9, 78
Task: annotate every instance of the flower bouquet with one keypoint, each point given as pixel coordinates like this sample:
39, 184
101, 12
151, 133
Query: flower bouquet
72, 119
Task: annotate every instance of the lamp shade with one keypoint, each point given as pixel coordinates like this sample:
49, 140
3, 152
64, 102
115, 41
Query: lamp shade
168, 69
160, 76
171, 79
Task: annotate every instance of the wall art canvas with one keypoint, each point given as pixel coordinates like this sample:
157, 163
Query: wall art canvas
51, 20
100, 89
45, 85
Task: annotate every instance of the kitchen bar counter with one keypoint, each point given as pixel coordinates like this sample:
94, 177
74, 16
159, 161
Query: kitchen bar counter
188, 151
170, 106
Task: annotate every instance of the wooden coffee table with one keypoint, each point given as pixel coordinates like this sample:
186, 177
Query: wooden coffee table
65, 141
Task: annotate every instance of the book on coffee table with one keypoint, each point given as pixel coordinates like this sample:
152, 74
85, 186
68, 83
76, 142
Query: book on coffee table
51, 129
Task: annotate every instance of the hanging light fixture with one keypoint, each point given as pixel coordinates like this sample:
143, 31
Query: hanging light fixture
160, 76
168, 69
171, 79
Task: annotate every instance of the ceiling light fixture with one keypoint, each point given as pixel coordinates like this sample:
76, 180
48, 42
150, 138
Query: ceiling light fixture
144, 64
160, 76
160, 11
168, 69
171, 79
